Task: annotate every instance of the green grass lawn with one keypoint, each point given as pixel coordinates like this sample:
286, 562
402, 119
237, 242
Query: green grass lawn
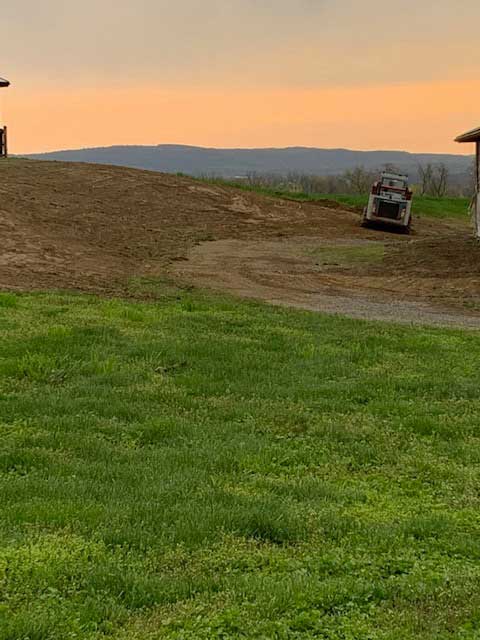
458, 208
428, 206
200, 468
348, 255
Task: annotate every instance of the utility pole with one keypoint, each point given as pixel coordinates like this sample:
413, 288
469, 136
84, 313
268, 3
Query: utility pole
3, 129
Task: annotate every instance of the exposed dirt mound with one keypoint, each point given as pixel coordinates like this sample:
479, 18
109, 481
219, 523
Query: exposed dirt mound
95, 227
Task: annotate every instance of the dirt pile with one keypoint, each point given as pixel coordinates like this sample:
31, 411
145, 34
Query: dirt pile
95, 227
92, 227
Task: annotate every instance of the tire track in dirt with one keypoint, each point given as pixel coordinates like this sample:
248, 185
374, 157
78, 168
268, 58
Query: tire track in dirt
287, 273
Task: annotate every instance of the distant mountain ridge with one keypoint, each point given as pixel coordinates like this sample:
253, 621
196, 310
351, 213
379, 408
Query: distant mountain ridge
229, 163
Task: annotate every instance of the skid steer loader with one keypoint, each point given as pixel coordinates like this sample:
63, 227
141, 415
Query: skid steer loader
390, 203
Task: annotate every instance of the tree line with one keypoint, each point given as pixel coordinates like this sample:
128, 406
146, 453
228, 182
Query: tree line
431, 180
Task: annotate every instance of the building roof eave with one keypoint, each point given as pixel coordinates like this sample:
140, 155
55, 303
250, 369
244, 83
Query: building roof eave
470, 136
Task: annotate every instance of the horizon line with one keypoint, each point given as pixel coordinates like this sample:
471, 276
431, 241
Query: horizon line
235, 148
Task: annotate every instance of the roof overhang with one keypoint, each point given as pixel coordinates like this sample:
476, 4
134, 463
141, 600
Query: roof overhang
470, 136
4, 83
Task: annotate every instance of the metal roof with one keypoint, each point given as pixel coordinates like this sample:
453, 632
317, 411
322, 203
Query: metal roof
470, 136
4, 83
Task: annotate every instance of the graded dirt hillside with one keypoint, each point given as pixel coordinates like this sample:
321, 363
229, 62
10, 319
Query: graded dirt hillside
97, 228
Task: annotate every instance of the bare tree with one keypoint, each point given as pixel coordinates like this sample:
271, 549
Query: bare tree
253, 179
439, 180
425, 173
359, 180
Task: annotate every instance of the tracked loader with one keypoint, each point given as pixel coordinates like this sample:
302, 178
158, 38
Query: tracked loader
390, 203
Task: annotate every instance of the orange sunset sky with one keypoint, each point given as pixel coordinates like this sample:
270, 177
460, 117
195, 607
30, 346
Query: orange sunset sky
241, 73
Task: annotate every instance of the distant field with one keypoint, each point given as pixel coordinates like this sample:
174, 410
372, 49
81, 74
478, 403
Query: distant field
458, 208
199, 468
422, 206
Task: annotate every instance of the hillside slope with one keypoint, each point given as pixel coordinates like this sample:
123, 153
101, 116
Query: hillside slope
234, 162
86, 227
105, 229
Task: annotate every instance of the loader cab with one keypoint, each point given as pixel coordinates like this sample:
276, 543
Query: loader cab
394, 183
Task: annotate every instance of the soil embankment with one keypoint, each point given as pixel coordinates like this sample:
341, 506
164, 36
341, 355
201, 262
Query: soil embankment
95, 228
